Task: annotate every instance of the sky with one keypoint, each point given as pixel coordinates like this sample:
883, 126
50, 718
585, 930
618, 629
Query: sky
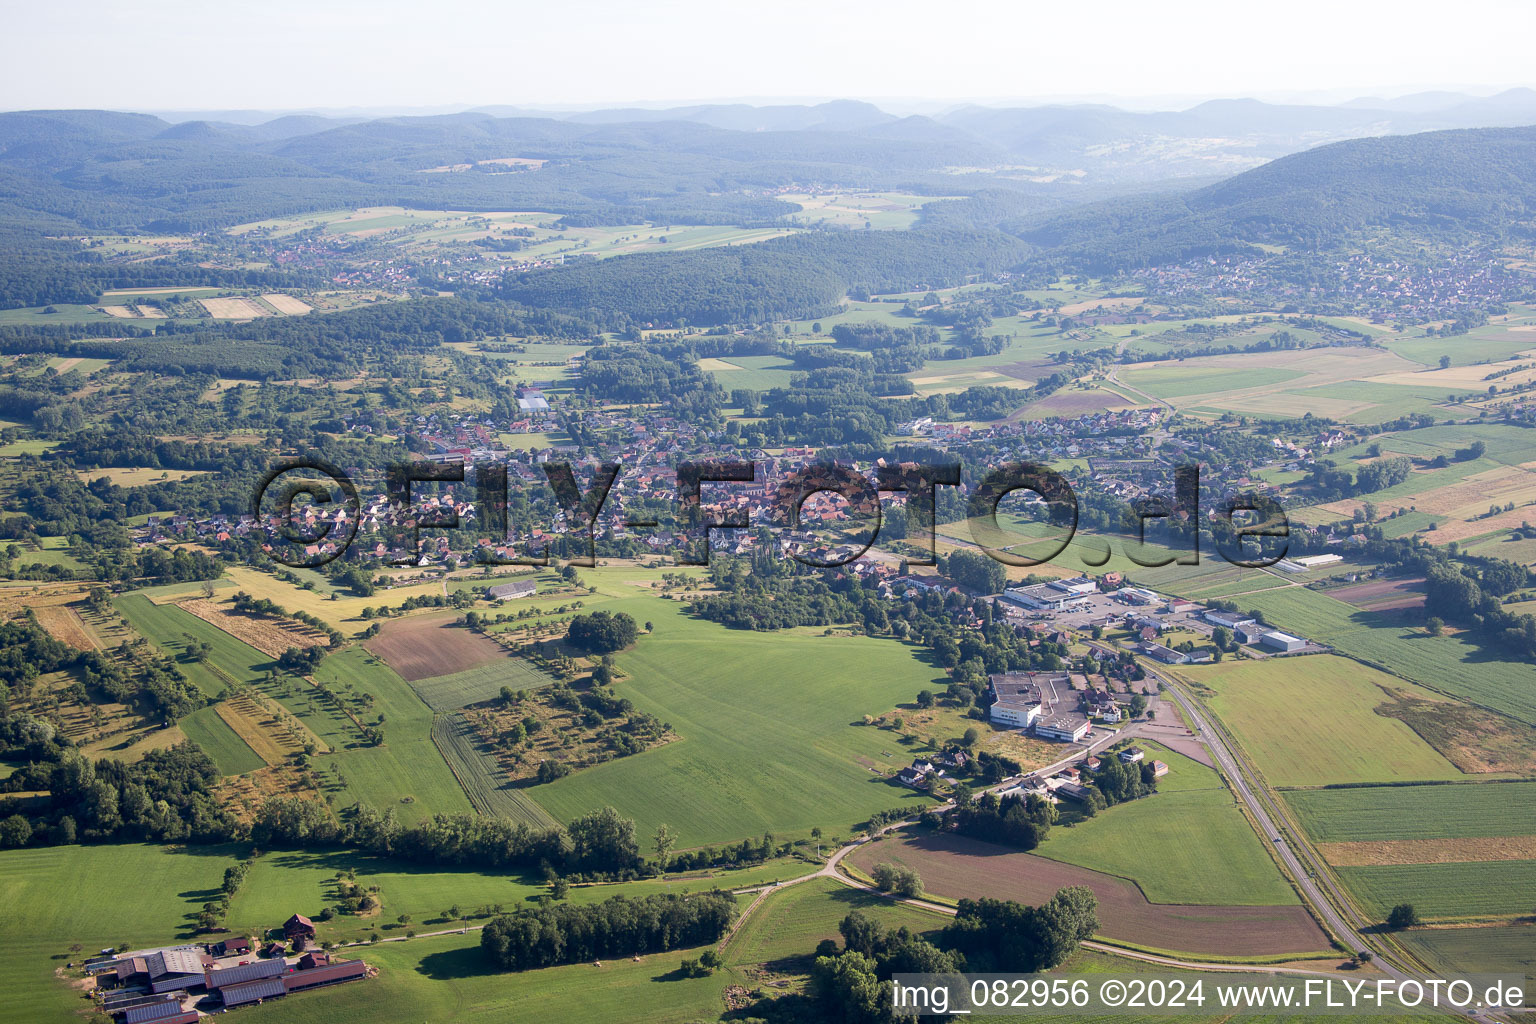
373, 54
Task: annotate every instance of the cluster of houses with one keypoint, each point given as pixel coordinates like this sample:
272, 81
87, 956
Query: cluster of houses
1071, 782
923, 771
1382, 288
179, 984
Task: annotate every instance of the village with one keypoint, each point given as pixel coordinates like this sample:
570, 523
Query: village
1127, 458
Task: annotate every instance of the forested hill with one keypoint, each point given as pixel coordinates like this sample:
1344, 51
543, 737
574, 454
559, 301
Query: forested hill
1470, 185
794, 277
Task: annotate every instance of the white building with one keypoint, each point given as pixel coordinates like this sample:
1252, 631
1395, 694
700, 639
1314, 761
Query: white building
1079, 585
1232, 620
1042, 595
1282, 641
1066, 728
1018, 714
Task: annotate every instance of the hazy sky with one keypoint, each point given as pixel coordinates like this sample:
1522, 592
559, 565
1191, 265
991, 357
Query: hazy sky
285, 54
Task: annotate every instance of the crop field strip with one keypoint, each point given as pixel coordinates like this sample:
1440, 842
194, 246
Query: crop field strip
478, 684
484, 783
1446, 891
1366, 813
422, 646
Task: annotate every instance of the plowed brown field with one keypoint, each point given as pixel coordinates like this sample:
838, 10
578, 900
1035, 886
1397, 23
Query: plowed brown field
957, 867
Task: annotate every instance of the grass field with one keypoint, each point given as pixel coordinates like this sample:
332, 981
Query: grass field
407, 772
230, 662
1449, 663
1446, 890
1416, 812
1185, 379
451, 692
757, 373
766, 726
1498, 950
45, 892
483, 780
232, 754
1188, 843
1311, 721
344, 613
49, 901
446, 979
789, 924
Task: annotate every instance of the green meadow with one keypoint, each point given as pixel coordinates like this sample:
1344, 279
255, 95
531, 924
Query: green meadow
789, 923
769, 725
1361, 814
1471, 889
231, 753
1449, 663
1310, 721
1187, 843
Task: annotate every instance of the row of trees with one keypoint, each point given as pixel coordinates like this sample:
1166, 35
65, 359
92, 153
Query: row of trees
564, 934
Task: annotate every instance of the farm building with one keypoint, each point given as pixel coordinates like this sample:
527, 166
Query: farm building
298, 925
256, 970
1074, 791
167, 1011
1282, 641
510, 591
252, 991
232, 946
342, 970
1306, 563
1166, 655
166, 970
1067, 728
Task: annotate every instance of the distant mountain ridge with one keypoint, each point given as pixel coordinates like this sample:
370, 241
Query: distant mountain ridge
1471, 185
63, 171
